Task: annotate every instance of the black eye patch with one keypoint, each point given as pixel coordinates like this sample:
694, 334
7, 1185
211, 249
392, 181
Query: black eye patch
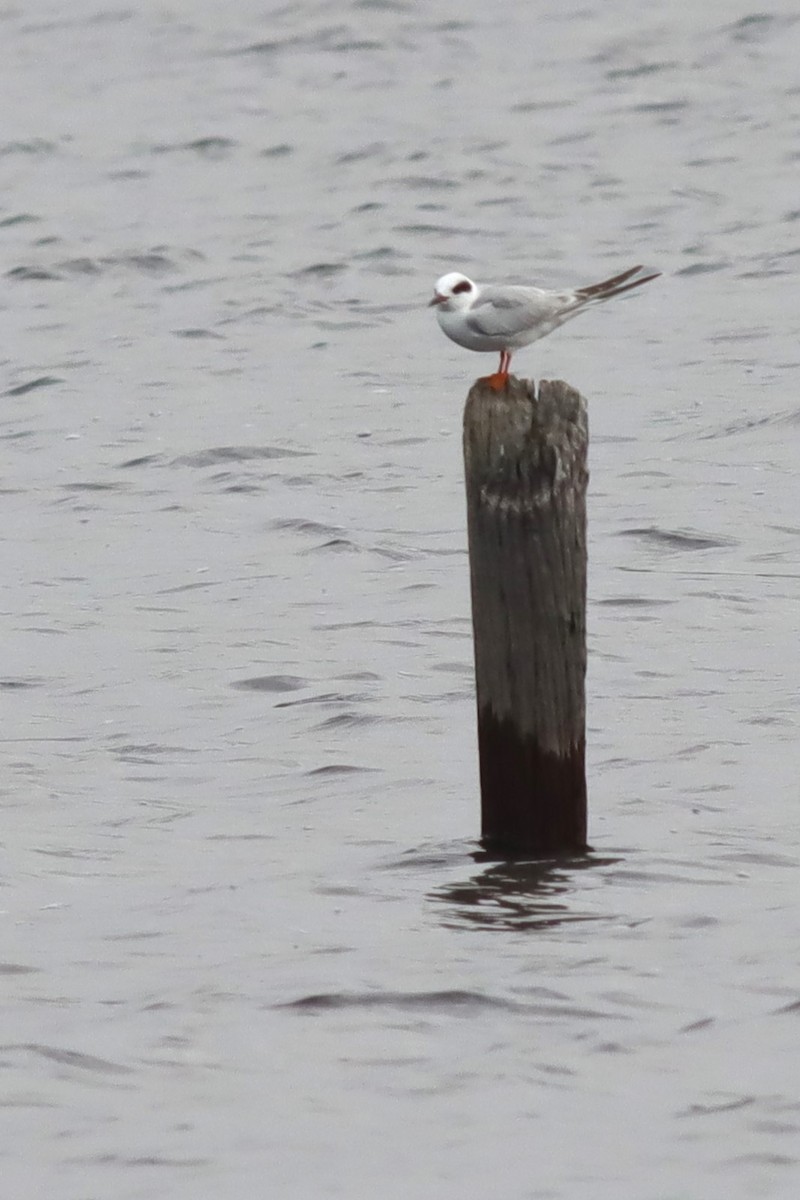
464, 286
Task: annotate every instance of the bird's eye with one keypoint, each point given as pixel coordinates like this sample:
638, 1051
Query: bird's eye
464, 286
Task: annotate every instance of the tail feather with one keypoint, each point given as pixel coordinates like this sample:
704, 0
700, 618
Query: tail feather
614, 286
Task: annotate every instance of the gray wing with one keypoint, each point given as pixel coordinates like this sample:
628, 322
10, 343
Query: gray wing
509, 311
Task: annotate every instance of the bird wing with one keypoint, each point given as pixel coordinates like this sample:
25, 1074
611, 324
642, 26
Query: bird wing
507, 311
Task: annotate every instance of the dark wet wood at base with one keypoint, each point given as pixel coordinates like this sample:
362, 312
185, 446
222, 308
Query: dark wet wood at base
531, 800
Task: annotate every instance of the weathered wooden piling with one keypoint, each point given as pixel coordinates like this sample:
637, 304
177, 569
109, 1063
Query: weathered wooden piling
525, 460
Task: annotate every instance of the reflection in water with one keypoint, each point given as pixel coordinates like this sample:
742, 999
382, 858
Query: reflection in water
517, 893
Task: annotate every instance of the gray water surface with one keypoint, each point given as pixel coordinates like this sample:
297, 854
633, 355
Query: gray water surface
251, 947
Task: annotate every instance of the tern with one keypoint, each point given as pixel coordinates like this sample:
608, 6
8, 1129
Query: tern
499, 318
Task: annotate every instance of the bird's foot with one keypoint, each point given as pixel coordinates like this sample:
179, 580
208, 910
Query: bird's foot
496, 382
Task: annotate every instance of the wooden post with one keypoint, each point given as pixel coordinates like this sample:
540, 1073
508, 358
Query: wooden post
526, 475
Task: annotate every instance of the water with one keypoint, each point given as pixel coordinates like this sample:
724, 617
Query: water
251, 947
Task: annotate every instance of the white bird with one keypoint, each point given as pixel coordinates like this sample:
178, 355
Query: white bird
499, 318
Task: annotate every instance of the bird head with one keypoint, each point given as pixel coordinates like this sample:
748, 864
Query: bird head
454, 292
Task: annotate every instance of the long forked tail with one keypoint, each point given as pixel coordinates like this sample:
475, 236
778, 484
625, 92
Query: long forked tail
614, 286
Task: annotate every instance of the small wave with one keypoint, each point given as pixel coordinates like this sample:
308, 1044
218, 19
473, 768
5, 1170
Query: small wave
89, 485
157, 261
18, 219
640, 70
144, 460
326, 698
338, 769
749, 424
632, 602
454, 1001
679, 539
198, 334
206, 147
372, 150
22, 389
29, 274
34, 146
348, 720
271, 683
72, 1058
756, 26
220, 454
319, 269
703, 268
299, 525
337, 545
